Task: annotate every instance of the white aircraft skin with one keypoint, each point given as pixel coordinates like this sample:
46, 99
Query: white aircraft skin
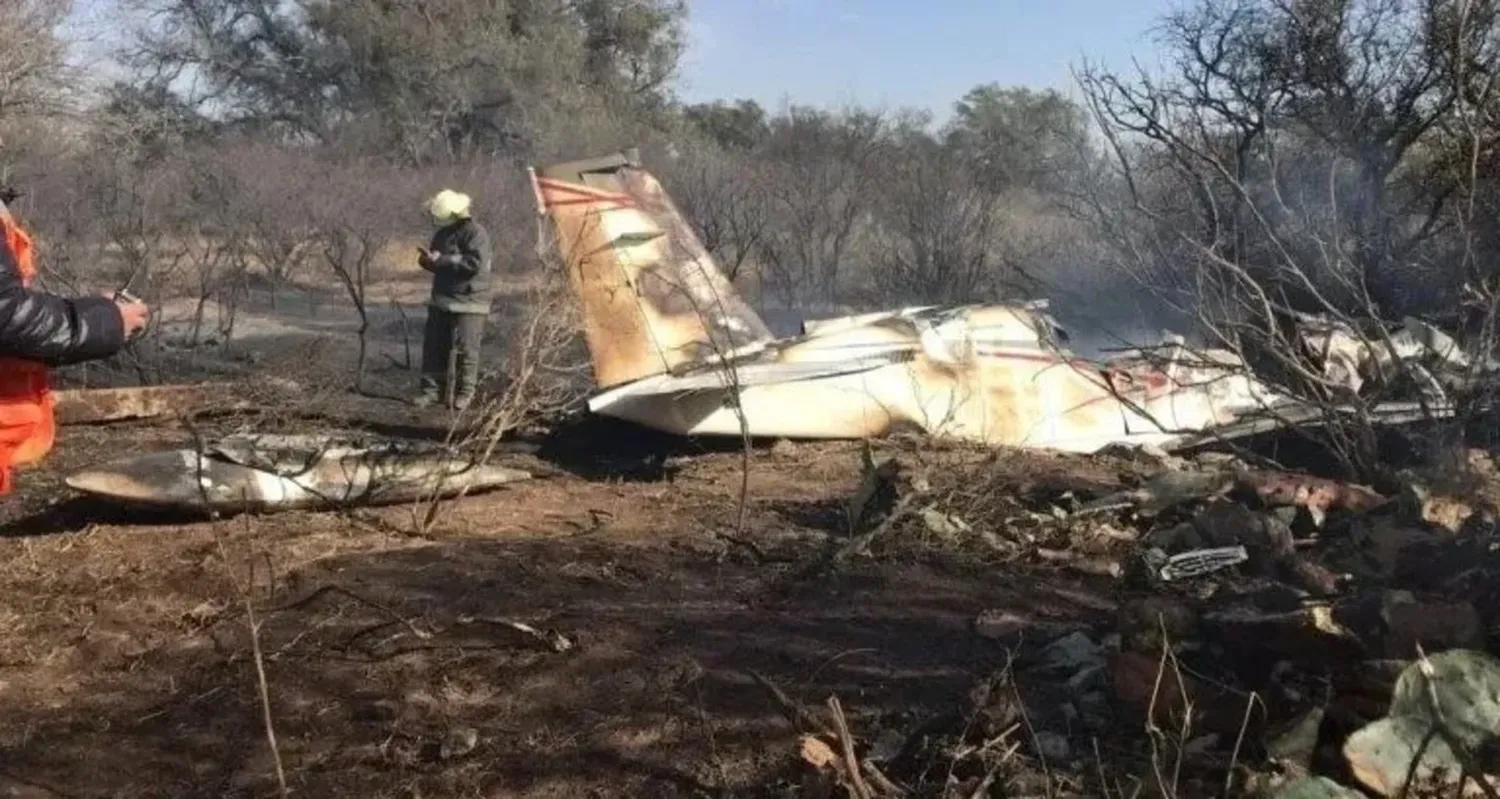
271, 472
671, 344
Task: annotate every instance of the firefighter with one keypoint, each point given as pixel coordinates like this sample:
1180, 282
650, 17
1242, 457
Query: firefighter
40, 330
459, 260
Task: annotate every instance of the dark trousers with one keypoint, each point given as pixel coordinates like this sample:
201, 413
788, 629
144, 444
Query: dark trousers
450, 352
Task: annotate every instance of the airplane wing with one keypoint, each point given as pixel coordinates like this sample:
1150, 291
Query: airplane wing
1299, 415
744, 374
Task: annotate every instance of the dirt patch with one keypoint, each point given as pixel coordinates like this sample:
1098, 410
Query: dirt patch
128, 646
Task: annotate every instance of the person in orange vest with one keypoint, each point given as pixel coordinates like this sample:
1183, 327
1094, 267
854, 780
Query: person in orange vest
40, 330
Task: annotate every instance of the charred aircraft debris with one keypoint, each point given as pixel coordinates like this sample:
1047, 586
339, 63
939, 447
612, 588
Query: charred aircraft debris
675, 348
281, 472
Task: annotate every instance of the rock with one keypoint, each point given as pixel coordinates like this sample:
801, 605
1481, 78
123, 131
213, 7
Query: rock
1314, 788
1094, 710
1381, 753
1226, 524
458, 742
1434, 626
1460, 689
1178, 538
1052, 747
1384, 541
1295, 743
1072, 653
887, 747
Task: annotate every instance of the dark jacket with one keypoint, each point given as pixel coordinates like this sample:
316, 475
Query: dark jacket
461, 274
43, 327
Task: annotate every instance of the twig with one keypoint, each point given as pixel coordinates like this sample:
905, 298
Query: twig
1031, 731
795, 713
1239, 741
258, 657
878, 777
841, 724
983, 788
553, 640
862, 541
836, 658
265, 696
334, 589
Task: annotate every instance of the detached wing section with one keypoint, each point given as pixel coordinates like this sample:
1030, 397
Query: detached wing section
652, 298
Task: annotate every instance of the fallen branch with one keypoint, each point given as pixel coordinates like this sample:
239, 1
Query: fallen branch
846, 741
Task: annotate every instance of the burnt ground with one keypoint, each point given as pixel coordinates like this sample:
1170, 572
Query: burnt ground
128, 668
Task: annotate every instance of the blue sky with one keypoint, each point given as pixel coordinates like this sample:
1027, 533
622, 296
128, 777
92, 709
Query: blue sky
903, 53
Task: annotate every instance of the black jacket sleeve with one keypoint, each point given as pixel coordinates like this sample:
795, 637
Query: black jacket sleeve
473, 253
47, 328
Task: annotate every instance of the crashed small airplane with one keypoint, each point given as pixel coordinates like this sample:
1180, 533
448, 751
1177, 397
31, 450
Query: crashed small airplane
277, 472
673, 347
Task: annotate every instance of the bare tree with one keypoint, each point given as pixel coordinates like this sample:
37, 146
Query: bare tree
278, 236
35, 80
820, 170
938, 228
723, 196
1294, 163
355, 210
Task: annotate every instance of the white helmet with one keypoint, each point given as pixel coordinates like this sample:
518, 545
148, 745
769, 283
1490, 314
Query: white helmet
448, 206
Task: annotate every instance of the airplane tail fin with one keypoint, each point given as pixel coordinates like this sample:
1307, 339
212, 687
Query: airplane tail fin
652, 298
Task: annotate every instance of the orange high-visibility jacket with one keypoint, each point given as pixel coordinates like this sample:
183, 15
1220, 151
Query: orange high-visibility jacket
27, 429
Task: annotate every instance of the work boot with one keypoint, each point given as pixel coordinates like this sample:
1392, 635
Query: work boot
463, 401
425, 400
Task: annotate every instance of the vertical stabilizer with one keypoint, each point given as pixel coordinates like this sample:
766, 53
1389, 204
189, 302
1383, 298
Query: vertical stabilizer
652, 298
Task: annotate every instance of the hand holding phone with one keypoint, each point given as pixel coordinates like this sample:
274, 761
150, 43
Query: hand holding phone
134, 314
